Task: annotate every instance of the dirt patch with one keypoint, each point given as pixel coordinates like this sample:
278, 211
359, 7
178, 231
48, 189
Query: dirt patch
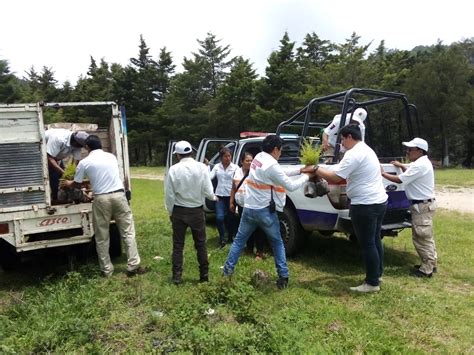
457, 199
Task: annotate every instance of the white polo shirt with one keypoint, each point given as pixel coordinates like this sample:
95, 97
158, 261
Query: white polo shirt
419, 179
102, 170
333, 128
187, 184
58, 144
361, 168
224, 178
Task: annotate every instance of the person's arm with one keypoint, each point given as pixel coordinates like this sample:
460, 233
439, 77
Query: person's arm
400, 165
232, 197
169, 193
278, 176
208, 189
213, 172
54, 164
392, 178
325, 143
327, 174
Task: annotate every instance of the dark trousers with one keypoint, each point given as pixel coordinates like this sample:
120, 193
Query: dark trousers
181, 219
54, 177
367, 222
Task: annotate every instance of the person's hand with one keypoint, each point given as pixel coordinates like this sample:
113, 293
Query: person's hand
396, 163
206, 161
232, 208
309, 169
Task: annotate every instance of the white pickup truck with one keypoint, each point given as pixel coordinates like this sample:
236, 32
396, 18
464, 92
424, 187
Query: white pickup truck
29, 219
327, 214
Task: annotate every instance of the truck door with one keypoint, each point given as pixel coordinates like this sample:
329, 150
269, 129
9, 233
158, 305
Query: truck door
23, 166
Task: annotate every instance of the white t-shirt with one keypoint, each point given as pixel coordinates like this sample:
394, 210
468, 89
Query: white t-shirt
102, 170
187, 184
333, 128
224, 178
361, 168
240, 193
419, 179
58, 144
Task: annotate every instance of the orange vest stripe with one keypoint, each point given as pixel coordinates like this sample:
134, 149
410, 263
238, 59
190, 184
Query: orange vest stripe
265, 186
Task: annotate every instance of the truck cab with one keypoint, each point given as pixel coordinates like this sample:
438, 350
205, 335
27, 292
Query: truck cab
29, 218
330, 213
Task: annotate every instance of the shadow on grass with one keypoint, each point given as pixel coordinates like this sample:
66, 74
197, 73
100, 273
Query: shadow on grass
50, 264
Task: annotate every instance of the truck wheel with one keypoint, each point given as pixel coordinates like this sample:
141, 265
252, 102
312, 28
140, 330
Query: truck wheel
291, 231
115, 247
9, 258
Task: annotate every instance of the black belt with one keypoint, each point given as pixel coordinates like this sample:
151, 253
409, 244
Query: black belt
112, 192
414, 202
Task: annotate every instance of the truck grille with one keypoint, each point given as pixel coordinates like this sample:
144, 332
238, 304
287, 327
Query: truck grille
21, 166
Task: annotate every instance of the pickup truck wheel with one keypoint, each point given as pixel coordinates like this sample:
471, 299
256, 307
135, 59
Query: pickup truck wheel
115, 247
291, 231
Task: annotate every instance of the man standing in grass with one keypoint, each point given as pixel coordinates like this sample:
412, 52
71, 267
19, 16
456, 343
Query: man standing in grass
109, 204
361, 168
187, 185
264, 196
418, 178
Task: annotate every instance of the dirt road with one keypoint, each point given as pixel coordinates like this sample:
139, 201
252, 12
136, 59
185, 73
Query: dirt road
457, 199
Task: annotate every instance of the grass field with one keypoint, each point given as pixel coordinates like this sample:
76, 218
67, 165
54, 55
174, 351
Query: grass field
45, 307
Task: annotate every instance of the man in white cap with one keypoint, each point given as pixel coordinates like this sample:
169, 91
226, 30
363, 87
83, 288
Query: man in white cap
187, 185
331, 131
60, 143
418, 178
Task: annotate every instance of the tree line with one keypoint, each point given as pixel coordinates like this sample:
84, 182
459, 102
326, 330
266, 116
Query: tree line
220, 95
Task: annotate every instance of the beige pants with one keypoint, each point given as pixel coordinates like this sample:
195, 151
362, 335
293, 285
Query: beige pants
422, 234
114, 207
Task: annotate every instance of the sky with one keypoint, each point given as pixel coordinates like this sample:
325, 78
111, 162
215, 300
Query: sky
62, 34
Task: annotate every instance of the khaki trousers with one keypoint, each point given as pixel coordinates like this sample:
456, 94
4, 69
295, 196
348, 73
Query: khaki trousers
109, 207
422, 234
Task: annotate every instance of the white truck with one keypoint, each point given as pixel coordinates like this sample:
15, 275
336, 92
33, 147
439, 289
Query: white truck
29, 219
330, 213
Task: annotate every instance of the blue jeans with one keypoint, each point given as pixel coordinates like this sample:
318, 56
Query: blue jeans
224, 218
269, 223
367, 222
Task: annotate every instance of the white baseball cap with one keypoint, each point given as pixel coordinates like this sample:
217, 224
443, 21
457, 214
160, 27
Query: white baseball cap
360, 115
182, 147
418, 143
80, 137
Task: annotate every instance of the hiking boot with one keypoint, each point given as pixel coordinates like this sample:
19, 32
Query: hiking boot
417, 267
418, 273
282, 283
365, 288
204, 278
138, 271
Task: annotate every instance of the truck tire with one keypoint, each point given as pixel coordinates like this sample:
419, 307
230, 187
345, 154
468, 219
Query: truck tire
115, 247
291, 231
9, 258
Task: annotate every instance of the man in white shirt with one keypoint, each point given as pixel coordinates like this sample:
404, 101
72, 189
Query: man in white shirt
264, 195
361, 168
418, 178
60, 143
109, 204
187, 185
331, 131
